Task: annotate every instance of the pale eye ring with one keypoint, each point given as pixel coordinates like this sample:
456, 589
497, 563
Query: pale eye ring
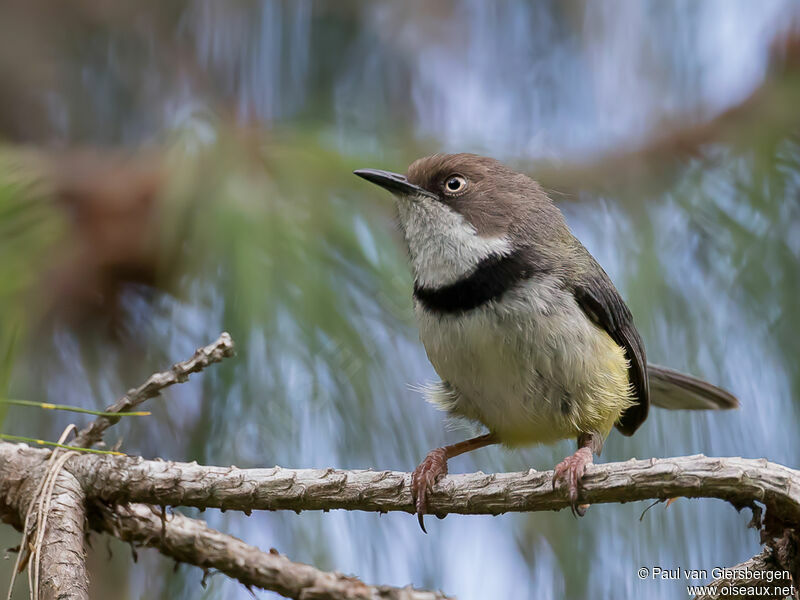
455, 184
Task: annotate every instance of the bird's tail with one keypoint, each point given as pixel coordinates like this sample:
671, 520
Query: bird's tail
677, 391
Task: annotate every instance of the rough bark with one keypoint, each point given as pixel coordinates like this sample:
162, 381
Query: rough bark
130, 479
753, 576
60, 571
118, 480
737, 480
115, 486
187, 540
63, 573
193, 542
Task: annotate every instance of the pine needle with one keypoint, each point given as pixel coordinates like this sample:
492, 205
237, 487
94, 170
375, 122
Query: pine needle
77, 409
19, 438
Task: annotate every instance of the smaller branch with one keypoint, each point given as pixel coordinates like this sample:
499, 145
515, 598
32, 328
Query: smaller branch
213, 353
191, 541
754, 577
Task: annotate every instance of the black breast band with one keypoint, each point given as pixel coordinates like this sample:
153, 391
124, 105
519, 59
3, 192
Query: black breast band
493, 277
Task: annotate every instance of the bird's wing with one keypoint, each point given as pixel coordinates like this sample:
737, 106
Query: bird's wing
601, 302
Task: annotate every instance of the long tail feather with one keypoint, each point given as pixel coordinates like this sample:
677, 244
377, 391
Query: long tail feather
678, 391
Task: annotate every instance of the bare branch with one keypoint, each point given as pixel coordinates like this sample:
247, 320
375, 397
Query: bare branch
758, 575
738, 480
63, 573
59, 548
203, 357
119, 480
192, 541
184, 539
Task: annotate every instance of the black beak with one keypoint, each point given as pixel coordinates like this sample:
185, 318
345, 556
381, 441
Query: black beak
394, 182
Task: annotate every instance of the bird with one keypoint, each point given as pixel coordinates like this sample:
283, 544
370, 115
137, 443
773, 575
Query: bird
526, 331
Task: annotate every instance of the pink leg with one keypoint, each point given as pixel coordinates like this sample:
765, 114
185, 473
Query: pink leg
570, 470
434, 467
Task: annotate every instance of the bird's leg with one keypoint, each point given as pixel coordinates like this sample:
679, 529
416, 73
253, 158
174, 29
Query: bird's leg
570, 470
434, 467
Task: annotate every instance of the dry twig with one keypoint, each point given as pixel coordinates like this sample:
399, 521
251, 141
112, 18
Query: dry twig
213, 353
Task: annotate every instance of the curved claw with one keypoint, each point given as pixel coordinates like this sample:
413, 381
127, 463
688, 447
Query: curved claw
421, 522
569, 472
425, 476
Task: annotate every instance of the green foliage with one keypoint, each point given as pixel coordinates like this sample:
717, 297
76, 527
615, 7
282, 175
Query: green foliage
31, 231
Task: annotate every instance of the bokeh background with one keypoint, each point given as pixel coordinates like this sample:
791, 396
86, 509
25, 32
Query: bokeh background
170, 170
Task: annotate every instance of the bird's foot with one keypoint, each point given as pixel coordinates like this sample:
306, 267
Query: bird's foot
429, 471
569, 473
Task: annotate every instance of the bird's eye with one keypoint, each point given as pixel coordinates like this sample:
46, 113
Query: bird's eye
455, 184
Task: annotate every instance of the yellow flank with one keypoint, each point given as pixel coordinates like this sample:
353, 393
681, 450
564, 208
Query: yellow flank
602, 398
523, 410
610, 393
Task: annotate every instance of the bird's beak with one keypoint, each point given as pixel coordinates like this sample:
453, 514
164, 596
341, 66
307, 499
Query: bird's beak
394, 182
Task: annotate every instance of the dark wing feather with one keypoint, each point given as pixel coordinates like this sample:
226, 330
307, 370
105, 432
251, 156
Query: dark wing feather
601, 302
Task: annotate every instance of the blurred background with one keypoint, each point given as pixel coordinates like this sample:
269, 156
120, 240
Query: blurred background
172, 170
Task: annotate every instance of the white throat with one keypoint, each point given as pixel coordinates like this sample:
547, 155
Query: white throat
443, 245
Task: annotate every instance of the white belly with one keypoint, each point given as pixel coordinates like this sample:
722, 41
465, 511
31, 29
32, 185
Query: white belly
532, 368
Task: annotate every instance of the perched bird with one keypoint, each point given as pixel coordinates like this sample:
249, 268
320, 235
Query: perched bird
525, 329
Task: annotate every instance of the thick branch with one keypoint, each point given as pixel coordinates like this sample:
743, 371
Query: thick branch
63, 556
738, 480
184, 539
60, 571
119, 480
129, 479
193, 542
203, 357
63, 566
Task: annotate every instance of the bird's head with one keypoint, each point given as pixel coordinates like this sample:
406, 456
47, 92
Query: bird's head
458, 209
